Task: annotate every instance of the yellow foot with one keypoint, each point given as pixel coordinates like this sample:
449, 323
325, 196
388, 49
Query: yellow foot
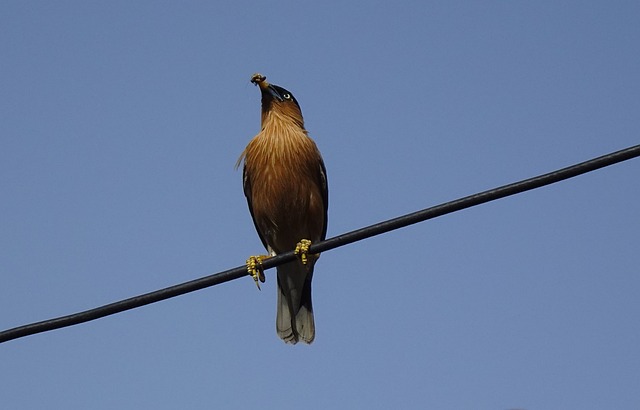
254, 267
302, 249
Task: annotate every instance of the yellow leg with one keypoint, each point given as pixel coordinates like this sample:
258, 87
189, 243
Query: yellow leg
302, 249
254, 267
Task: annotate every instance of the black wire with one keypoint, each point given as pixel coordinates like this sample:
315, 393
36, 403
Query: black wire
478, 199
332, 243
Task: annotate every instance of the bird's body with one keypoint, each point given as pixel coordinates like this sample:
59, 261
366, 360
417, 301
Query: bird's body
286, 189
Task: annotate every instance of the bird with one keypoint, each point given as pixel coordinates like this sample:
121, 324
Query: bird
285, 183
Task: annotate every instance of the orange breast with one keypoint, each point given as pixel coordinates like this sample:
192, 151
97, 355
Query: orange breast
286, 187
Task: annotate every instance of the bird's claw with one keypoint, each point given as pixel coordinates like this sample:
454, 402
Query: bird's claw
302, 249
255, 269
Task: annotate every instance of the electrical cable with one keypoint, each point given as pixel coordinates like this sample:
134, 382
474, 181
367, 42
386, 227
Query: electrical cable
332, 243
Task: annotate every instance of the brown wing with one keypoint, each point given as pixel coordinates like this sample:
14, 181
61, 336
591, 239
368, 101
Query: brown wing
246, 185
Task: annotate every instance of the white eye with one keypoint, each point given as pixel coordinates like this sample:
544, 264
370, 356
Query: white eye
286, 96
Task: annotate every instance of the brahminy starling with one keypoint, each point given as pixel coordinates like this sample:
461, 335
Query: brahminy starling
285, 182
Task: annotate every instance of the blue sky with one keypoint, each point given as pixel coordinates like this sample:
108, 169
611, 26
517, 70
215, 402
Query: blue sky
120, 126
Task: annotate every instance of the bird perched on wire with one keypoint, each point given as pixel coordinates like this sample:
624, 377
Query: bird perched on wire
285, 183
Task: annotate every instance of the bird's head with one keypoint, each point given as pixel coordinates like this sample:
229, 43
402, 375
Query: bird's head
276, 100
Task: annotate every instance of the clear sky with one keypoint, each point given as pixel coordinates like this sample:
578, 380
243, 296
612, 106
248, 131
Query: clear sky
121, 122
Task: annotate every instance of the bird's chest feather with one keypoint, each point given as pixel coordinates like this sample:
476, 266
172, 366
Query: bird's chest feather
283, 170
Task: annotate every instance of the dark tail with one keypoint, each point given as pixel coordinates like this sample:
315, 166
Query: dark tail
294, 318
